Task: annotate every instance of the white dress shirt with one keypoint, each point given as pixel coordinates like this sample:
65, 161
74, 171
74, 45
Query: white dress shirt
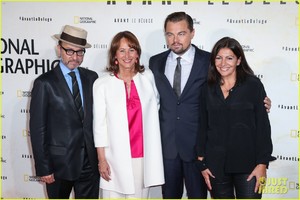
187, 60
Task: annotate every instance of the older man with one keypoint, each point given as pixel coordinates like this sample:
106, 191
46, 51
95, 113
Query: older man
61, 122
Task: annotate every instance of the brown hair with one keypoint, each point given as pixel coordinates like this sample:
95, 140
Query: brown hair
180, 16
115, 44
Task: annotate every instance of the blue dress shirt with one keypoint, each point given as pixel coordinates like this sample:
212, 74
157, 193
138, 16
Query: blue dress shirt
65, 70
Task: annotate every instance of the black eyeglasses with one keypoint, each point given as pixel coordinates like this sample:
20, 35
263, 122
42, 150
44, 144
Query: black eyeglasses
70, 52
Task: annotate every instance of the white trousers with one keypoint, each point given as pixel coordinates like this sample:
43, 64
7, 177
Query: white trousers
140, 190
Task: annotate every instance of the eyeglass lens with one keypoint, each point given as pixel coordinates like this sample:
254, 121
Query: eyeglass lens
70, 52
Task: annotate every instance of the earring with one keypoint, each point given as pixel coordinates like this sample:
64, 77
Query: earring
116, 62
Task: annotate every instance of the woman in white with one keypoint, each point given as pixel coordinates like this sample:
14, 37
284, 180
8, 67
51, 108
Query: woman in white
126, 123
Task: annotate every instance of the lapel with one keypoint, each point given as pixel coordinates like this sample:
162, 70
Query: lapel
195, 72
84, 83
161, 69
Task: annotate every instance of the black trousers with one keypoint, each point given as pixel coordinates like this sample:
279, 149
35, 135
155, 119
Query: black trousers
86, 187
234, 186
179, 173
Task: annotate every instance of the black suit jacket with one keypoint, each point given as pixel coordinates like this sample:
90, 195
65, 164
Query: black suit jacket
58, 135
179, 118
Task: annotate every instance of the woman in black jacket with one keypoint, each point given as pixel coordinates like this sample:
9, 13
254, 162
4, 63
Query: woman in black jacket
234, 144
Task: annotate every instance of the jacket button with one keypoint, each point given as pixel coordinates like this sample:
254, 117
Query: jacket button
178, 103
178, 118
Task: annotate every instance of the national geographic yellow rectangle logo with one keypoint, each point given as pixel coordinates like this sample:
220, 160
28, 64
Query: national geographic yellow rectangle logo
76, 20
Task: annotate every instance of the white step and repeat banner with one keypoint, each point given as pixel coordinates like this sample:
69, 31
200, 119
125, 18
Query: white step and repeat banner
268, 31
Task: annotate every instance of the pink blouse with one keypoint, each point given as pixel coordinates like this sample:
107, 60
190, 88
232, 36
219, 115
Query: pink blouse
135, 122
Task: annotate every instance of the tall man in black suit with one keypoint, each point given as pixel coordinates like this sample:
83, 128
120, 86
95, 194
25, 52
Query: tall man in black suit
179, 107
61, 122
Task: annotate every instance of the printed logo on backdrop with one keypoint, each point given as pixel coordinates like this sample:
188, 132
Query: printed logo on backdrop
84, 20
290, 49
22, 94
288, 158
294, 134
123, 20
288, 107
142, 1
100, 46
295, 77
3, 160
27, 156
3, 178
25, 111
136, 20
260, 76
29, 178
196, 21
12, 64
246, 21
25, 133
247, 48
35, 19
186, 2
250, 2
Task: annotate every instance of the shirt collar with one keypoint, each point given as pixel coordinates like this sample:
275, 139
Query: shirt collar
188, 56
65, 70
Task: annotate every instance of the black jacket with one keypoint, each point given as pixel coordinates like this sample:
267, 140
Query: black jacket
57, 133
235, 133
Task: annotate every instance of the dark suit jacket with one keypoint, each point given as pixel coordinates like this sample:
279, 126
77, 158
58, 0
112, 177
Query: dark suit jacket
179, 118
58, 135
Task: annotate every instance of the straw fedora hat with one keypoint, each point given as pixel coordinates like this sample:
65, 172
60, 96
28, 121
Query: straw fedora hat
74, 36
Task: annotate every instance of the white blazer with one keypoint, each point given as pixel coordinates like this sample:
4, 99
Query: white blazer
111, 131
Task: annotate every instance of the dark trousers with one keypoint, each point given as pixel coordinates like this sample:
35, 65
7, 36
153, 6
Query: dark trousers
86, 187
234, 186
177, 173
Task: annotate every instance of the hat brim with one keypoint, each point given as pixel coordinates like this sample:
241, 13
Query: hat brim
57, 36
